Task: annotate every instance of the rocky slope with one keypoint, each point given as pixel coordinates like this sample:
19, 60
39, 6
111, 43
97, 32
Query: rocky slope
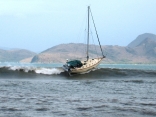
141, 38
15, 55
141, 50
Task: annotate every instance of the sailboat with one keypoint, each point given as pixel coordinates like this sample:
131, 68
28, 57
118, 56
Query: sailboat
83, 66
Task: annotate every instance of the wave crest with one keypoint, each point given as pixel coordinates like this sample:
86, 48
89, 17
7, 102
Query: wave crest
48, 71
26, 69
31, 72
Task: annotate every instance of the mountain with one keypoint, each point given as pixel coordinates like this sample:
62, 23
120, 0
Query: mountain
15, 55
146, 48
141, 38
141, 50
143, 53
60, 53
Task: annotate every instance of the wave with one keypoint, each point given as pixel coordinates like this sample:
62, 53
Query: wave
48, 71
29, 72
119, 73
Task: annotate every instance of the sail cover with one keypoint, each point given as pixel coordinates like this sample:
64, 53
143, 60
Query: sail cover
74, 63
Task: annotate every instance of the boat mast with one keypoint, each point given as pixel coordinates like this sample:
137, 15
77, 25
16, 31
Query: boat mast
88, 36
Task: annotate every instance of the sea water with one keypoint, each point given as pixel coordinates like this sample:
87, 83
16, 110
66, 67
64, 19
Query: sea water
45, 90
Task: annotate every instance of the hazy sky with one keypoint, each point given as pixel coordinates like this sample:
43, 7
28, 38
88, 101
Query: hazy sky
40, 24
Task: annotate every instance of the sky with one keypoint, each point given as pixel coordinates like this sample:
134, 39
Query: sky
37, 25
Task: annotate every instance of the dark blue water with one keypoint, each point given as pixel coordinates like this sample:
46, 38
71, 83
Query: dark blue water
37, 90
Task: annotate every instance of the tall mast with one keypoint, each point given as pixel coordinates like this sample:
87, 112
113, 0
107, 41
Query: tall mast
88, 36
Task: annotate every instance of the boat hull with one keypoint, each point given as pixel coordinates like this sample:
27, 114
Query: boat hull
87, 66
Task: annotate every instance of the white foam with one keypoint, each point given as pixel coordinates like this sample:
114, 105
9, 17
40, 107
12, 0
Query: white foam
14, 68
38, 70
48, 71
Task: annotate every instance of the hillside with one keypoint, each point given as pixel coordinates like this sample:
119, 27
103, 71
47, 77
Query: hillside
141, 38
15, 55
141, 50
60, 53
146, 48
114, 54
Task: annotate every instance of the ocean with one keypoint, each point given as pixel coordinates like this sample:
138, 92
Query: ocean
45, 90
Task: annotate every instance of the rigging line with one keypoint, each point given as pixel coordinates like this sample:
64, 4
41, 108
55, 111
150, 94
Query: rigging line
84, 39
97, 34
80, 32
85, 36
85, 43
94, 42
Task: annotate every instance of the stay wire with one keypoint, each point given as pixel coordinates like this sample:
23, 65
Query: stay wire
93, 42
80, 32
97, 34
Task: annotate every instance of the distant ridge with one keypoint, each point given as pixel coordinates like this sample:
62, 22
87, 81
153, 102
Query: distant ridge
141, 51
15, 55
141, 38
146, 48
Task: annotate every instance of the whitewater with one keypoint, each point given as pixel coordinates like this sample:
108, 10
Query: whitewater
111, 90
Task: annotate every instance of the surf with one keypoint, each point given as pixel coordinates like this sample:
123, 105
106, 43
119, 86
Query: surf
56, 72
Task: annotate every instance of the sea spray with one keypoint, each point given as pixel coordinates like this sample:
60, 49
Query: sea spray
32, 71
27, 69
48, 71
21, 68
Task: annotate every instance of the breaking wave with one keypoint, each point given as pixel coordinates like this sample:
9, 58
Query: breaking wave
40, 72
27, 72
48, 71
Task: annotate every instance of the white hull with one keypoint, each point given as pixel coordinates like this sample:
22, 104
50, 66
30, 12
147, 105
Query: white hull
87, 66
